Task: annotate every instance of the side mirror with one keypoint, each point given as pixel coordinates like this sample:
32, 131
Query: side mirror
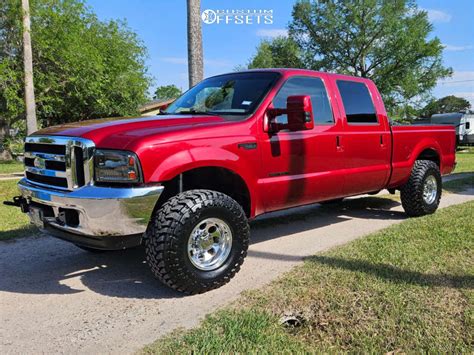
299, 111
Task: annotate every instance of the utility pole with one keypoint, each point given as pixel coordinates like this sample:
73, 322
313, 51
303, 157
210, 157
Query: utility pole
31, 124
195, 57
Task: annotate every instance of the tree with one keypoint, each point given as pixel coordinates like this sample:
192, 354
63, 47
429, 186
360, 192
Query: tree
405, 114
31, 124
84, 68
195, 57
281, 52
384, 40
167, 92
445, 105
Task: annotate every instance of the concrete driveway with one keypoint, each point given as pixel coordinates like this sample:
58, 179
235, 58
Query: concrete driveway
56, 298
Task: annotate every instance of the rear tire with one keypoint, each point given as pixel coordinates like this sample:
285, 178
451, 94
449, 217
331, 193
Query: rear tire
421, 194
197, 241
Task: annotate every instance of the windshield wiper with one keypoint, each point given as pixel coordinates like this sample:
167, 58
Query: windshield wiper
193, 112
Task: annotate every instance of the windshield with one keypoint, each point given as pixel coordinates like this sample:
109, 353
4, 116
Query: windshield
230, 94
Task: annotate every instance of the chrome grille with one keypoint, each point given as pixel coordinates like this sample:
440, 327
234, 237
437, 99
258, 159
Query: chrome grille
63, 163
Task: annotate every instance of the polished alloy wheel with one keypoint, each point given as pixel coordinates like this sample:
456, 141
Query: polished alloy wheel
430, 190
209, 244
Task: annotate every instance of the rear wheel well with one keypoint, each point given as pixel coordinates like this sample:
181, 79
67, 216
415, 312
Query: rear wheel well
209, 178
429, 154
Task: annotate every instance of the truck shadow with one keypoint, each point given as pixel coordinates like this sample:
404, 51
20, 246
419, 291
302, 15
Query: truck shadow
49, 266
395, 274
389, 273
300, 219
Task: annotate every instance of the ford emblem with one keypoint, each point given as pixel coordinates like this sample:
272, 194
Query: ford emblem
39, 163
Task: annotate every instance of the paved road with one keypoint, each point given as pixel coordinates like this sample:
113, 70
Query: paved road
12, 176
55, 298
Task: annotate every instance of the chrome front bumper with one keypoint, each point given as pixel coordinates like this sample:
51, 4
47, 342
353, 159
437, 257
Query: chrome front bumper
104, 212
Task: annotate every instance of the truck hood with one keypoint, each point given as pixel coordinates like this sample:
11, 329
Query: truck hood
120, 132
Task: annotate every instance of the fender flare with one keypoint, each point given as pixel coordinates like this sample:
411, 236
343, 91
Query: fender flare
426, 144
207, 157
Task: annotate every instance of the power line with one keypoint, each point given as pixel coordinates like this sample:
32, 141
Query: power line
457, 81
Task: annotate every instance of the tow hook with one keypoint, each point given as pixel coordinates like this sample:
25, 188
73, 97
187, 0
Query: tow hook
18, 201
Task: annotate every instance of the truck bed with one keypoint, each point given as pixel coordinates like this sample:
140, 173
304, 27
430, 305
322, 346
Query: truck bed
409, 141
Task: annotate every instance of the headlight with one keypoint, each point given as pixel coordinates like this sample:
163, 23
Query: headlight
116, 166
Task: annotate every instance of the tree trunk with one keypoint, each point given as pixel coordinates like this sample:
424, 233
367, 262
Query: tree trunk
195, 58
4, 153
31, 125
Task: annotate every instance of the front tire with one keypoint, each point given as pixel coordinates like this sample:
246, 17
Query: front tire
197, 241
421, 194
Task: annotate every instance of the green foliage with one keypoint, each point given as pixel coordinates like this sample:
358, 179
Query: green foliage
404, 113
465, 161
231, 332
10, 167
386, 41
445, 105
83, 68
14, 145
167, 92
13, 223
281, 52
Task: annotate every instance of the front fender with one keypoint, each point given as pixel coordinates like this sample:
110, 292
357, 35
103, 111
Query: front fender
244, 164
194, 158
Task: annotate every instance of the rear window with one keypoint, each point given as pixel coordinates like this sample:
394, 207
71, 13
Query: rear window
357, 102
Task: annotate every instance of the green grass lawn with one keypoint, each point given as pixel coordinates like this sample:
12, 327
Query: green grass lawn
10, 166
465, 160
407, 288
458, 185
13, 223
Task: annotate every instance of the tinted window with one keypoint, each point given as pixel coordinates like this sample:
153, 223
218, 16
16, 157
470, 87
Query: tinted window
313, 87
357, 102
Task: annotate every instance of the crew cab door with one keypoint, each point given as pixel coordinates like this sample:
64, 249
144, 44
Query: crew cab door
366, 140
304, 166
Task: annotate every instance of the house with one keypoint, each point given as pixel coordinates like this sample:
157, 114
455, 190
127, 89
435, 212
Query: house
155, 106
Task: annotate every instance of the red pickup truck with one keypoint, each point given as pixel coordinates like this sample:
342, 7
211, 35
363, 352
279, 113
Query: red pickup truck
185, 183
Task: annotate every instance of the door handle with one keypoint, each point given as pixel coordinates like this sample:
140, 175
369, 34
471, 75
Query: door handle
339, 147
382, 142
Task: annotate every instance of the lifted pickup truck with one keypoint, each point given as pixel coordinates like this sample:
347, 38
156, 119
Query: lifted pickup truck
185, 183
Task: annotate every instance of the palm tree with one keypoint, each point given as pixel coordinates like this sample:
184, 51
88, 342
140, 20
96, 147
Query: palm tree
195, 58
31, 125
